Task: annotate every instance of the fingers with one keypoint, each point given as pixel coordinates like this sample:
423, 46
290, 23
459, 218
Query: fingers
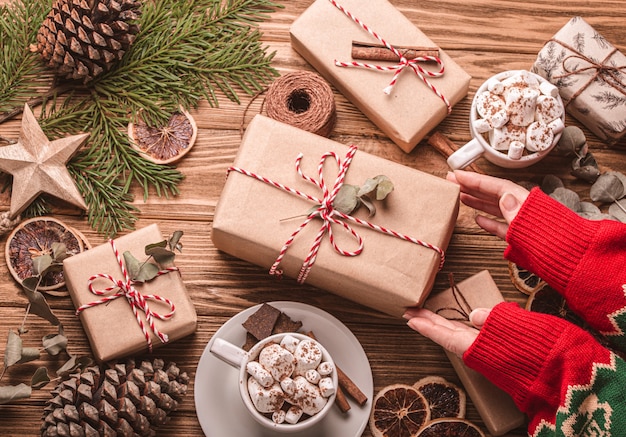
492, 226
478, 317
453, 336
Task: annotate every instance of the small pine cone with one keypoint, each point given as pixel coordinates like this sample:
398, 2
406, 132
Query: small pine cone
82, 39
121, 400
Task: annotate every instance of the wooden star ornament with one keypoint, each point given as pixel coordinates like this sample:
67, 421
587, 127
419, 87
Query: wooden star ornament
38, 165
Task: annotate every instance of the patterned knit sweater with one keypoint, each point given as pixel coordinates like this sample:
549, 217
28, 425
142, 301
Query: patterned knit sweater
558, 374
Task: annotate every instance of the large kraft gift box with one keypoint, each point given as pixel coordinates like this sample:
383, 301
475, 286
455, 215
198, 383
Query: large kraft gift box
591, 76
253, 220
323, 34
495, 407
112, 328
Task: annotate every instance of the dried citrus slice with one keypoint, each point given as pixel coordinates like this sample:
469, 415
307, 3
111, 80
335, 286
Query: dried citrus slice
398, 410
445, 399
524, 280
450, 427
548, 301
34, 237
164, 144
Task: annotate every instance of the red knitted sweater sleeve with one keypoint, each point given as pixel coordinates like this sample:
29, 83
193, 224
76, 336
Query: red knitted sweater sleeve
583, 260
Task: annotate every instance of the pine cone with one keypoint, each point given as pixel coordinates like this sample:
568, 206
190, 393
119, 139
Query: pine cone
82, 39
117, 401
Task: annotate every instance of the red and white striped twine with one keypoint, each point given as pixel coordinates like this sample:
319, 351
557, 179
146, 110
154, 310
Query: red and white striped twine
328, 214
403, 63
136, 300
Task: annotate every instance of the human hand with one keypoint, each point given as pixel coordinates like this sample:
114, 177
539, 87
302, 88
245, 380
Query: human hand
498, 197
453, 336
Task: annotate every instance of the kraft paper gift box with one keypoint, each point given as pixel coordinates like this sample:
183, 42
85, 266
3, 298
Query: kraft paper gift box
495, 407
253, 219
112, 328
591, 76
323, 34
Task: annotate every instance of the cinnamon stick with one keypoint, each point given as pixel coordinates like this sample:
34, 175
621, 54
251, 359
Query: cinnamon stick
341, 401
378, 52
346, 383
446, 147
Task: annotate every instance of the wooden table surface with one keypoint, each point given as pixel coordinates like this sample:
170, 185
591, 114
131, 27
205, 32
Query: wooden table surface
484, 37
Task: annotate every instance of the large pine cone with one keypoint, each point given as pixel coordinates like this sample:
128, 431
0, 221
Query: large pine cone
82, 39
117, 401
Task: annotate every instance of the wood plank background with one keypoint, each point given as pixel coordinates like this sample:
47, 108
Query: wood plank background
484, 37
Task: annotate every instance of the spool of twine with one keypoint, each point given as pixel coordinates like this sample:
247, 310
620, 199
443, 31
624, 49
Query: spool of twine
302, 99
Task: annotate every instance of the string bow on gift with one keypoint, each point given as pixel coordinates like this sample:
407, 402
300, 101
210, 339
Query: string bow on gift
609, 74
329, 215
413, 64
136, 300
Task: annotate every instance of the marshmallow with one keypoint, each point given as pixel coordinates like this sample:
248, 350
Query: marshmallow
308, 356
265, 400
488, 104
495, 86
325, 368
289, 342
258, 372
548, 109
288, 386
516, 150
278, 361
499, 119
520, 104
313, 376
327, 389
548, 89
308, 396
293, 415
501, 138
279, 416
557, 126
539, 137
482, 125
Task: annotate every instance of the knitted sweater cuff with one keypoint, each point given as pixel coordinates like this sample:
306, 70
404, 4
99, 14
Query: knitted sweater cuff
545, 226
512, 348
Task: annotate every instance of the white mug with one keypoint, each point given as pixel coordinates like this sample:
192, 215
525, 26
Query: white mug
479, 145
239, 358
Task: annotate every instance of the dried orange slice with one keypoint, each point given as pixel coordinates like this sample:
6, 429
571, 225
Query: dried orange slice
444, 398
398, 410
164, 144
34, 237
548, 301
450, 427
524, 280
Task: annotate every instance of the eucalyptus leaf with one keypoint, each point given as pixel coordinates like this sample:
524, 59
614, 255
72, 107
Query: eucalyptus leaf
585, 167
54, 344
138, 271
588, 208
368, 187
347, 199
620, 176
74, 364
571, 142
161, 255
38, 303
618, 210
40, 378
59, 252
608, 188
12, 393
41, 264
174, 241
29, 354
567, 197
13, 351
369, 205
384, 188
550, 183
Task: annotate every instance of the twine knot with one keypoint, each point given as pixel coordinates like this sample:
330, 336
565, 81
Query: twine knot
137, 301
413, 64
329, 215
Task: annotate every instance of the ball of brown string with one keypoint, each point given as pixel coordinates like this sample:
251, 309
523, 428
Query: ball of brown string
302, 99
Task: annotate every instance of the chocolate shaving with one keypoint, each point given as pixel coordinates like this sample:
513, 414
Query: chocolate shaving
261, 323
286, 324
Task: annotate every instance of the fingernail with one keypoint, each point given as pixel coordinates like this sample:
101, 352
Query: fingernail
406, 316
479, 316
508, 202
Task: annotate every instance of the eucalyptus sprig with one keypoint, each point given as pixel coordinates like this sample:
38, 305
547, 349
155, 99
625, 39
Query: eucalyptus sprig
350, 197
163, 254
53, 344
184, 52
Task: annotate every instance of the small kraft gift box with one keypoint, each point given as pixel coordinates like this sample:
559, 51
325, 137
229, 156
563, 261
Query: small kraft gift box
276, 211
405, 99
120, 316
496, 408
591, 76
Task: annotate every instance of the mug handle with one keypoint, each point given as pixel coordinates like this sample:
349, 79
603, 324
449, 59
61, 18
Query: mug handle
228, 352
465, 155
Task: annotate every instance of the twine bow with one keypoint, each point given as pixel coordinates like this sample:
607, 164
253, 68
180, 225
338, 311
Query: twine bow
609, 74
413, 64
136, 300
328, 214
